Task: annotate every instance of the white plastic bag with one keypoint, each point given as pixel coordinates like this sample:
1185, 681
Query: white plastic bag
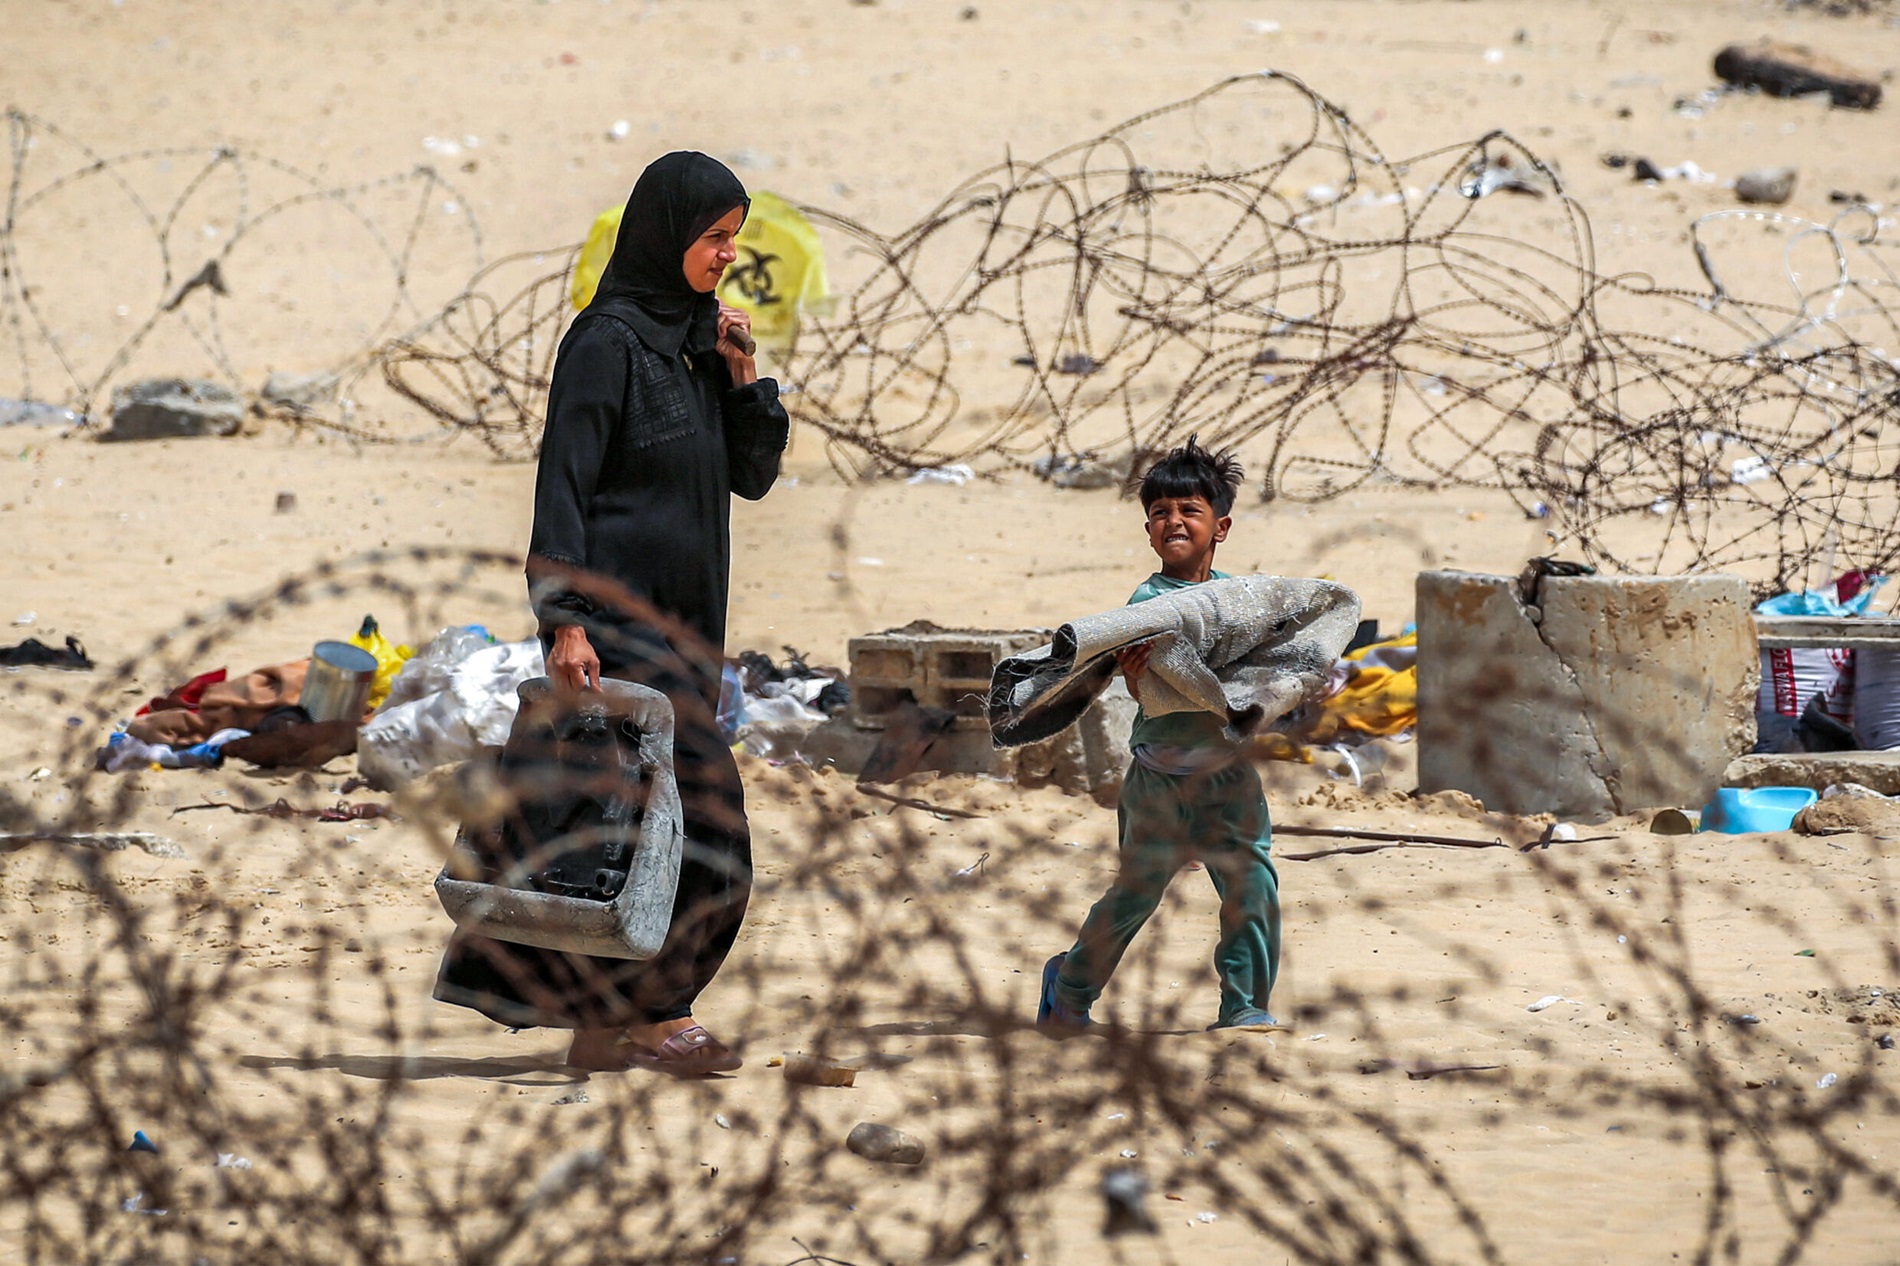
473, 709
427, 671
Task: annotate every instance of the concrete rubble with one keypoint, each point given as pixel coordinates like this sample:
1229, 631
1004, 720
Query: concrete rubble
1610, 695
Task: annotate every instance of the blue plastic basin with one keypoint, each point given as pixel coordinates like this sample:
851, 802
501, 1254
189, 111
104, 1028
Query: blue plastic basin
1739, 810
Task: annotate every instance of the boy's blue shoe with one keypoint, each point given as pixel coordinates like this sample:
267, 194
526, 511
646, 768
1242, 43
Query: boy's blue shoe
1051, 1013
1251, 1018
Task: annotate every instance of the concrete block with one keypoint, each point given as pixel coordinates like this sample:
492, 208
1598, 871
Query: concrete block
1877, 771
167, 408
935, 667
1615, 694
1089, 757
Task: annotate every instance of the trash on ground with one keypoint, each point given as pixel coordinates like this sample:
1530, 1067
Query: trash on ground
809, 1071
1794, 70
884, 1143
34, 653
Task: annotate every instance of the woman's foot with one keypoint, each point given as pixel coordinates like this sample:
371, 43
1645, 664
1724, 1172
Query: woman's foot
676, 1046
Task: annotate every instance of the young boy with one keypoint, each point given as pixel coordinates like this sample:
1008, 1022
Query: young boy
1191, 794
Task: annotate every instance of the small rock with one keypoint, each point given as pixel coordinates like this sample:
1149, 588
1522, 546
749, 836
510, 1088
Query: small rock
299, 392
1770, 186
1845, 815
286, 502
884, 1143
166, 408
1793, 70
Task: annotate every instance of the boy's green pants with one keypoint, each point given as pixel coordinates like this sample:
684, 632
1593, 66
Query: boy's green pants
1220, 819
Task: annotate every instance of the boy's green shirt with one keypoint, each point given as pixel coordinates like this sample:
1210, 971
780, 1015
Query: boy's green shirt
1175, 729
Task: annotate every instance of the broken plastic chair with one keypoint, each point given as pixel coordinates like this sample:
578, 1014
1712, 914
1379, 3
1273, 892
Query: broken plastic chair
585, 854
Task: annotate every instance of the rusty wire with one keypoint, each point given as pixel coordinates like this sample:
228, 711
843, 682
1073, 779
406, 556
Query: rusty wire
258, 1008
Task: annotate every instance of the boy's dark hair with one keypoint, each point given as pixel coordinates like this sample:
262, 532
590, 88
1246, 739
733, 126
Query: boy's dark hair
1192, 471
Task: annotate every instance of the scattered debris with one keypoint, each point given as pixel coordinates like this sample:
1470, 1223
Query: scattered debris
956, 475
1547, 1001
1080, 471
1125, 1194
884, 1143
341, 811
912, 802
37, 413
907, 738
1423, 1070
574, 1096
34, 653
1672, 822
156, 845
1770, 186
1794, 70
167, 408
298, 393
1500, 174
809, 1071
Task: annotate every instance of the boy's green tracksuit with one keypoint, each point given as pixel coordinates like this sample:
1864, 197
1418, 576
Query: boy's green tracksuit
1190, 795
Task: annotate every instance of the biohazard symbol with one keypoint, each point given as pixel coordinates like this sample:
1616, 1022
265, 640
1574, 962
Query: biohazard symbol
753, 278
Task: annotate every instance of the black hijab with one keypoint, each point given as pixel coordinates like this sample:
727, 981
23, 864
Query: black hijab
677, 198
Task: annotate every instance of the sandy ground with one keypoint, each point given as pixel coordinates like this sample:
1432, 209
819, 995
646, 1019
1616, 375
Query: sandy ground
1595, 1139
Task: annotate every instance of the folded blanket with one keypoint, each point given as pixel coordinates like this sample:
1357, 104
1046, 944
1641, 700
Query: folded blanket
1252, 648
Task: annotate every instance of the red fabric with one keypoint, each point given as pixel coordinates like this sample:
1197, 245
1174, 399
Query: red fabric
185, 696
1850, 585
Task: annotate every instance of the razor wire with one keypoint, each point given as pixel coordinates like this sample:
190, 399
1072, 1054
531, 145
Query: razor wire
223, 1049
1246, 265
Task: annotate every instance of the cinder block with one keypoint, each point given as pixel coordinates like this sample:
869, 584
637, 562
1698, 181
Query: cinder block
1615, 694
932, 666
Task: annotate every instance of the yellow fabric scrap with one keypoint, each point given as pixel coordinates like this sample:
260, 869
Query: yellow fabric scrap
1375, 700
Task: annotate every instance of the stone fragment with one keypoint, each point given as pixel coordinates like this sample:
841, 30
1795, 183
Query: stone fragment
1843, 815
298, 393
167, 408
1794, 70
1770, 186
885, 1144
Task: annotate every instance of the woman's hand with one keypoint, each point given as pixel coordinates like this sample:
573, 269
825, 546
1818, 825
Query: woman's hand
739, 361
572, 664
1134, 662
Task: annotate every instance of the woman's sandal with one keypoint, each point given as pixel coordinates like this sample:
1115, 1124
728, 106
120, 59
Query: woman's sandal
691, 1052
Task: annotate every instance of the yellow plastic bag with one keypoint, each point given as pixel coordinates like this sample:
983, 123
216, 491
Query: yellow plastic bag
780, 272
389, 658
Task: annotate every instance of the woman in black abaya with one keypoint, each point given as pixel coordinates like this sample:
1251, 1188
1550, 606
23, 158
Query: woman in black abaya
656, 415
